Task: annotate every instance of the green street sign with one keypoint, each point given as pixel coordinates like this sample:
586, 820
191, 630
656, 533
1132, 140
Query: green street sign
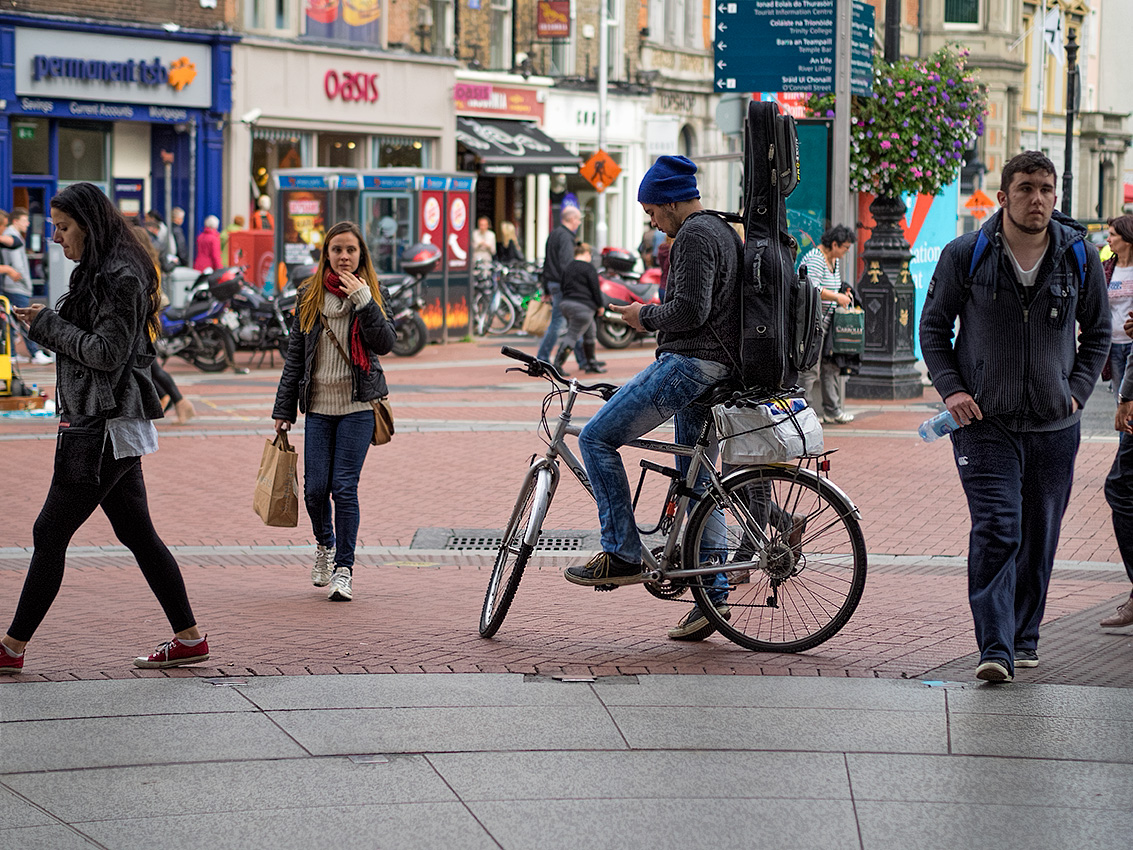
25, 132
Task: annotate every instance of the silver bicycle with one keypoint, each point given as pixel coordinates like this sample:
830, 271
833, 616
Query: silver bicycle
787, 540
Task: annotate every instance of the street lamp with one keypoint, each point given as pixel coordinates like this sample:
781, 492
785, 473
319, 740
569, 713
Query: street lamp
1071, 111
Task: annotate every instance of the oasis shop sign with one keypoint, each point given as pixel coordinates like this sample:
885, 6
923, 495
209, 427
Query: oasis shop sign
351, 86
87, 66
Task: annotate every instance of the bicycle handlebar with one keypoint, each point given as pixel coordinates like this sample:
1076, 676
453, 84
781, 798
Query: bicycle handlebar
542, 369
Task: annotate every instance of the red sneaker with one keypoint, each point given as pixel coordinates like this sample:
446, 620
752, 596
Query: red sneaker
173, 653
8, 664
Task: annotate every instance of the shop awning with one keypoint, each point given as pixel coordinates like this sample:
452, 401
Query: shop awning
513, 148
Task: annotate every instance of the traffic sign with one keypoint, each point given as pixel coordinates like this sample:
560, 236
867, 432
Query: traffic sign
786, 45
600, 171
979, 204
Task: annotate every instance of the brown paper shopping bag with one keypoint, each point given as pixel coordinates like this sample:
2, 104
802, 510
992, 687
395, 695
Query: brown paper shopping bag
538, 317
276, 500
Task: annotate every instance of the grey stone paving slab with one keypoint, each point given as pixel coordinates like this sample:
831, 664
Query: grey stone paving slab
1044, 700
944, 826
775, 691
679, 775
1042, 737
669, 824
57, 837
115, 698
417, 730
411, 690
424, 826
15, 812
802, 729
111, 742
1010, 781
145, 792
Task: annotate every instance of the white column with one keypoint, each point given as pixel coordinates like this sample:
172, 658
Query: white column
542, 213
530, 197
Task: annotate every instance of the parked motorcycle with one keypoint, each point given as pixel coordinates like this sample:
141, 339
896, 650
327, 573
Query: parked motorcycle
622, 286
406, 300
196, 331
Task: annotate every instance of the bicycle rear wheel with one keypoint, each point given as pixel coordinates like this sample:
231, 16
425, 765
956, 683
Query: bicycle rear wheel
794, 554
520, 536
503, 319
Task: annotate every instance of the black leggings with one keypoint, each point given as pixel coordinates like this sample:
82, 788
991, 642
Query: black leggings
122, 495
164, 383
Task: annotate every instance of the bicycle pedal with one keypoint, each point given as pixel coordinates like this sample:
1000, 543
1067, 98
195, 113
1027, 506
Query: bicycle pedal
606, 587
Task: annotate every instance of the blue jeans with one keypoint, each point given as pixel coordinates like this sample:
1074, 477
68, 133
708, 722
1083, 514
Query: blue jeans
1018, 486
334, 450
1118, 356
1119, 495
555, 328
18, 299
668, 386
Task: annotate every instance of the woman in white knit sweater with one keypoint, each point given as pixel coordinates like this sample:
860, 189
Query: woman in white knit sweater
331, 374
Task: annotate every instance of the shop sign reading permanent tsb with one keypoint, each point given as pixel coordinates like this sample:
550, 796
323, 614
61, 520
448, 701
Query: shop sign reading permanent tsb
87, 66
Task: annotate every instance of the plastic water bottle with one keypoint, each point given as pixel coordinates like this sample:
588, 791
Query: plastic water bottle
939, 426
35, 390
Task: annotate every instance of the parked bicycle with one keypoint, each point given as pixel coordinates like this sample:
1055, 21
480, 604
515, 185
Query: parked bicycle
791, 584
502, 294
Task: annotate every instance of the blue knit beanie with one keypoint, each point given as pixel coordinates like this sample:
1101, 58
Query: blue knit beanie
669, 180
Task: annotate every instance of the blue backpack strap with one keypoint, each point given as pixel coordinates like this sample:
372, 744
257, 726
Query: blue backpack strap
1080, 254
978, 252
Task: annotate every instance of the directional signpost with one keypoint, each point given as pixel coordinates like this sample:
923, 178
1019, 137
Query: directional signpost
787, 45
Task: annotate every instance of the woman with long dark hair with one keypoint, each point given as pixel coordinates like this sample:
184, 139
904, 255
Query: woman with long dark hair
332, 373
103, 338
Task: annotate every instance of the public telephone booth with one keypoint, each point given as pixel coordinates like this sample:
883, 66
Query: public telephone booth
395, 208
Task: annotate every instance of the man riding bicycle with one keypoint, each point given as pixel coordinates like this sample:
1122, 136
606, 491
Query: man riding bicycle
698, 332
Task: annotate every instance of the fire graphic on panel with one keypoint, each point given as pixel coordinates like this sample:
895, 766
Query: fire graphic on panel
433, 314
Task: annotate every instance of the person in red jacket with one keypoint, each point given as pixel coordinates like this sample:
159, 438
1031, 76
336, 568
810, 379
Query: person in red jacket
208, 246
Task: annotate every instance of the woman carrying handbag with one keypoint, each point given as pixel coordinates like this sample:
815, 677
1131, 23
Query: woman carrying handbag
332, 375
102, 333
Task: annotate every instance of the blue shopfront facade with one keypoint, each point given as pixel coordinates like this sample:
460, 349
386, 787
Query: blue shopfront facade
139, 111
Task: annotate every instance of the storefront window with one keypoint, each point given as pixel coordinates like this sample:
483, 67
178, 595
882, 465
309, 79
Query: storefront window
30, 148
272, 149
337, 150
402, 152
83, 154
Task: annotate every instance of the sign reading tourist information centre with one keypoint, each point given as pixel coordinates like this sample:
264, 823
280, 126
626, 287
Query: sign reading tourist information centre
788, 46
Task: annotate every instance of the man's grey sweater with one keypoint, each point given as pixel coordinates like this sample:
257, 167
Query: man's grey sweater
701, 316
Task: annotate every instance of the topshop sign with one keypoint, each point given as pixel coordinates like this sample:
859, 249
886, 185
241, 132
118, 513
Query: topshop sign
87, 66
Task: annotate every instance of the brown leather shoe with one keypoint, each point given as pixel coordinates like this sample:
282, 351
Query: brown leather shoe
1123, 617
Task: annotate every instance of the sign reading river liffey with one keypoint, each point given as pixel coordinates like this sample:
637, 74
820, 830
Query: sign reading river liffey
784, 45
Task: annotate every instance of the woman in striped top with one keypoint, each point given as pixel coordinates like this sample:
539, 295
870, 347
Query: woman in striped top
331, 374
824, 267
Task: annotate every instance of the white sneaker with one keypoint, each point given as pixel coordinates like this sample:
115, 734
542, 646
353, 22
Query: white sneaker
340, 590
19, 358
324, 566
43, 358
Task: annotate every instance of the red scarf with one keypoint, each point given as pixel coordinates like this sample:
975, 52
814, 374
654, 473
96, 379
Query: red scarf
358, 355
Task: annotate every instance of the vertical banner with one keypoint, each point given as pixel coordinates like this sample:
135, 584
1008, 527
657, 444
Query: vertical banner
458, 265
456, 247
432, 218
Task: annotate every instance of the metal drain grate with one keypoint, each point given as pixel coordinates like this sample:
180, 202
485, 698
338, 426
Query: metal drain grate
487, 543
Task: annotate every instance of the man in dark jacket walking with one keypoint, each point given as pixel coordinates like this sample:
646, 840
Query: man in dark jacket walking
1016, 381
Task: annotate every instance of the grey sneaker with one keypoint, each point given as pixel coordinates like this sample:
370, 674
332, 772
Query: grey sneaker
324, 566
1026, 658
993, 671
695, 626
340, 590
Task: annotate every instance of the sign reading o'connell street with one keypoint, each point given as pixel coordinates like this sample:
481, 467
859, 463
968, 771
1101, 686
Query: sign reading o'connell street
787, 46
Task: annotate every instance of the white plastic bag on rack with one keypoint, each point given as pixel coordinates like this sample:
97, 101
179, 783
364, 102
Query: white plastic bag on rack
770, 432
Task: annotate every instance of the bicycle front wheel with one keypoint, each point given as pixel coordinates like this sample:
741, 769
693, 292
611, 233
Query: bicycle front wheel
793, 554
519, 539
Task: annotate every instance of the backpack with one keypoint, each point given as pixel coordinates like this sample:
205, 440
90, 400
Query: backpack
780, 309
978, 250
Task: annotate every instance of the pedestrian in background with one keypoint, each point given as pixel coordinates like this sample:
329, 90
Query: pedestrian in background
824, 268
1119, 280
16, 284
162, 240
180, 244
332, 373
483, 242
1034, 333
236, 226
103, 334
208, 246
582, 301
558, 254
508, 250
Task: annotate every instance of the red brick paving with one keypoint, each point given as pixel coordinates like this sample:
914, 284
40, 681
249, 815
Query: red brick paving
418, 613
